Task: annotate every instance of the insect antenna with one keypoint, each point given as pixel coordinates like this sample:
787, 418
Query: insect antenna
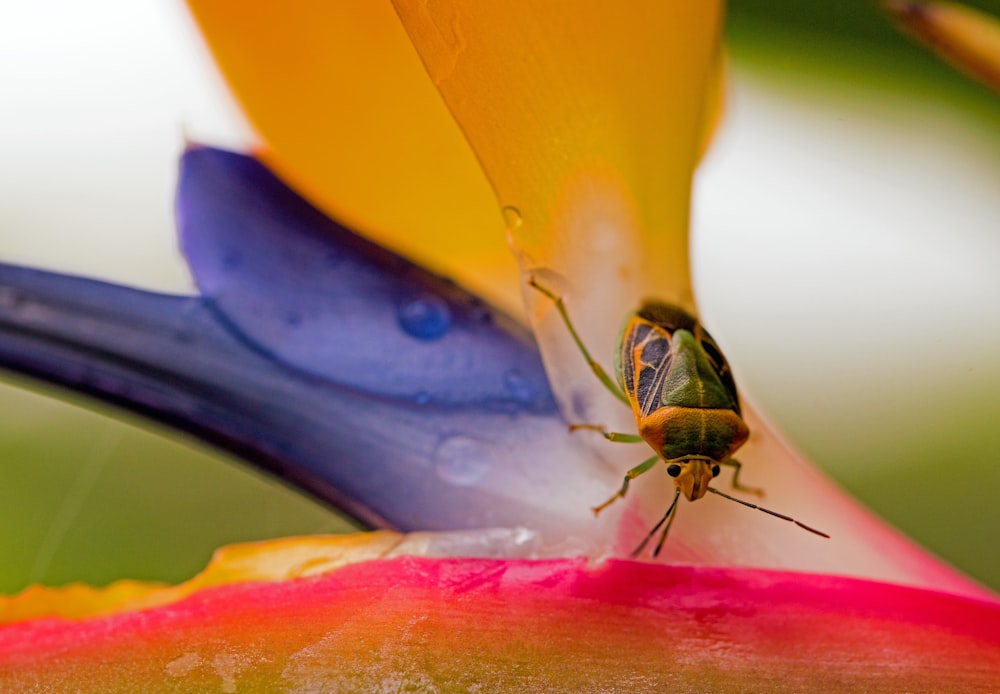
767, 511
668, 518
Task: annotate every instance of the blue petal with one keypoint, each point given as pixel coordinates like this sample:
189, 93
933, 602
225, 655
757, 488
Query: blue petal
388, 394
308, 292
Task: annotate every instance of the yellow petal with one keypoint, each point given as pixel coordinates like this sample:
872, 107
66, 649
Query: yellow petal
588, 120
353, 122
966, 38
274, 560
586, 116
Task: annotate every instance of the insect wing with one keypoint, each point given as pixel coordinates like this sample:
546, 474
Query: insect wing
720, 365
643, 363
647, 352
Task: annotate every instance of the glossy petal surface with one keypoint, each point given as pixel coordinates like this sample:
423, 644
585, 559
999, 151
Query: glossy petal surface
352, 122
309, 293
448, 402
500, 625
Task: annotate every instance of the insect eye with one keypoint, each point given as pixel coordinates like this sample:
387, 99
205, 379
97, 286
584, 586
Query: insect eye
674, 470
715, 471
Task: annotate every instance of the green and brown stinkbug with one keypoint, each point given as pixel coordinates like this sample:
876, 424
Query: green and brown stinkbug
680, 388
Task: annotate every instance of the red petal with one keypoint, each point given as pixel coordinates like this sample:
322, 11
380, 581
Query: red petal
523, 626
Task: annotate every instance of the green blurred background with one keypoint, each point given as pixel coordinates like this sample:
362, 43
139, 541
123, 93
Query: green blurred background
868, 326
883, 368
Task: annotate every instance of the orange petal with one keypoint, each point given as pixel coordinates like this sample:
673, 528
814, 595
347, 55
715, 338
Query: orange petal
715, 100
965, 37
354, 124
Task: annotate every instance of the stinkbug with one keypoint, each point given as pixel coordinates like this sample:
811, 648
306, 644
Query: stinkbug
680, 388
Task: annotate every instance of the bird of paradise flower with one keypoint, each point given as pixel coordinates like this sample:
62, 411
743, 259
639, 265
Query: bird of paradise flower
234, 197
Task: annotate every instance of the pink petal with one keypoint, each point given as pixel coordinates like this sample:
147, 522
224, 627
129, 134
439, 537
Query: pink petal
457, 624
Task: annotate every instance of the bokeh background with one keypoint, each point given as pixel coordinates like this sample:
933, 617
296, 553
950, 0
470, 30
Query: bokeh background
847, 254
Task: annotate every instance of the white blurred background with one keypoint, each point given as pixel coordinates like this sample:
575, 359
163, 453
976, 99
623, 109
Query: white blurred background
98, 99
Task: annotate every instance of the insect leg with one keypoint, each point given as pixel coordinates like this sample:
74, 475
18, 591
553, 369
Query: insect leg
738, 466
668, 518
594, 366
642, 467
613, 436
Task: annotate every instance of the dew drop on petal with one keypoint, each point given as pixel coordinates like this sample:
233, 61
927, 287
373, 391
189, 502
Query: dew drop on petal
426, 317
462, 461
518, 386
512, 217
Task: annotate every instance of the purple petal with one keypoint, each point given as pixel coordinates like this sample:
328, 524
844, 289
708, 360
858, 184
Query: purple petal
305, 290
467, 435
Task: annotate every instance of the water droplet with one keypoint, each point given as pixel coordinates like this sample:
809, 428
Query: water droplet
462, 461
518, 386
512, 217
422, 398
426, 317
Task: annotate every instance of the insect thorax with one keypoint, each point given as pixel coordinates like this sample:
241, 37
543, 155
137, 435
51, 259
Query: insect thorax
681, 432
